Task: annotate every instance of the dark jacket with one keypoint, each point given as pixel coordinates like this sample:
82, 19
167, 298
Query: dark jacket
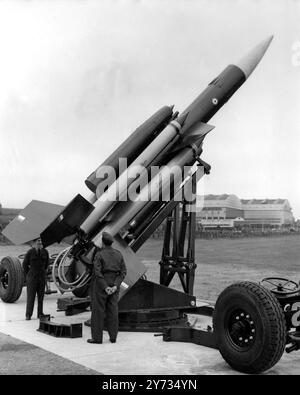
36, 262
109, 267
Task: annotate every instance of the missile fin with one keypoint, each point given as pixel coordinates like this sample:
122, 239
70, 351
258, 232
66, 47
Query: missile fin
196, 133
31, 222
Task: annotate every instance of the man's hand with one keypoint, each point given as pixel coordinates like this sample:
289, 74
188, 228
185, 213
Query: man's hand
110, 290
113, 289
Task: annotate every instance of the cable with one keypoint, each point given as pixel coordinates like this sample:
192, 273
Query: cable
58, 273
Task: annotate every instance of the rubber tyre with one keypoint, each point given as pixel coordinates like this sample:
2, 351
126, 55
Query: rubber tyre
12, 289
268, 319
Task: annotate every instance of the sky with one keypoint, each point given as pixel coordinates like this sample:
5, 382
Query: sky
77, 77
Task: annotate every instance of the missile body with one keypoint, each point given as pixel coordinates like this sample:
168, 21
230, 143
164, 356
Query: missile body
130, 148
224, 86
119, 187
159, 185
199, 111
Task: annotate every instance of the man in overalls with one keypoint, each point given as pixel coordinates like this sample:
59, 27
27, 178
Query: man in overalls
108, 274
35, 266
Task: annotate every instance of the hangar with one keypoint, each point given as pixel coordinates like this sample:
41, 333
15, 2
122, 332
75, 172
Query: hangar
267, 212
226, 211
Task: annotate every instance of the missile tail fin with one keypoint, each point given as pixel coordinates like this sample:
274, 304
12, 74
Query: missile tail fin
195, 134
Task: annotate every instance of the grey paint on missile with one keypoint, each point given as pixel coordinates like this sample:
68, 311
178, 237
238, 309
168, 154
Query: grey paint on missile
213, 97
122, 207
198, 131
224, 86
107, 200
201, 110
158, 184
195, 135
134, 144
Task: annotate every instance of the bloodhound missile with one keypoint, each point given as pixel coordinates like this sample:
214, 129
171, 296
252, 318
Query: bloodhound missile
197, 114
153, 143
165, 140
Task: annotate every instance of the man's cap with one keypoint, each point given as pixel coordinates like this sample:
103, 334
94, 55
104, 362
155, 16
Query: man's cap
107, 238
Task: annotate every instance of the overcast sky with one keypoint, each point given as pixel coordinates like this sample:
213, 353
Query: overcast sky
77, 77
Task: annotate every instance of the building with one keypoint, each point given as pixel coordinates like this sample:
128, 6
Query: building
223, 211
267, 212
228, 211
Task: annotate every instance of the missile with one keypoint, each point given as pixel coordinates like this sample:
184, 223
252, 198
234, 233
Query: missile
158, 186
204, 106
217, 93
220, 89
170, 134
194, 141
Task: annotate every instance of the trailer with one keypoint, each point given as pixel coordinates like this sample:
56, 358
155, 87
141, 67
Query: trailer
252, 324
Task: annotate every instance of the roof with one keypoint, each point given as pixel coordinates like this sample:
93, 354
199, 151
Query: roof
216, 197
263, 201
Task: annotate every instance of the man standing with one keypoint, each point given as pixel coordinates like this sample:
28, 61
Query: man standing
35, 266
108, 274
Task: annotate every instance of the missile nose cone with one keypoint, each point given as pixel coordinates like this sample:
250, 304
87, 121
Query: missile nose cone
248, 63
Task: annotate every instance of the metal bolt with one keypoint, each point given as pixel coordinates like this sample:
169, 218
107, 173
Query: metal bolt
251, 337
248, 316
252, 330
242, 315
251, 322
240, 339
237, 317
246, 341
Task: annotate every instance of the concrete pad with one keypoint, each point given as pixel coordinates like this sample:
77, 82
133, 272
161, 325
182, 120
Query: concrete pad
20, 358
133, 354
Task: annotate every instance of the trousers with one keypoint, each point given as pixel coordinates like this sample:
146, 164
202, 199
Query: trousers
35, 286
104, 310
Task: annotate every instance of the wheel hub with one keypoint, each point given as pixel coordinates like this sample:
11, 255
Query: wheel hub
4, 279
241, 329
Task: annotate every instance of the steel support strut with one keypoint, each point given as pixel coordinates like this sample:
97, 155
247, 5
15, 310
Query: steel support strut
178, 254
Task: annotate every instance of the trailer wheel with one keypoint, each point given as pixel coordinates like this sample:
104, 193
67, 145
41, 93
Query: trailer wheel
11, 279
250, 327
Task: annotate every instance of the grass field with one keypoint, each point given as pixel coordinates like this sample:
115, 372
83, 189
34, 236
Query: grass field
222, 261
